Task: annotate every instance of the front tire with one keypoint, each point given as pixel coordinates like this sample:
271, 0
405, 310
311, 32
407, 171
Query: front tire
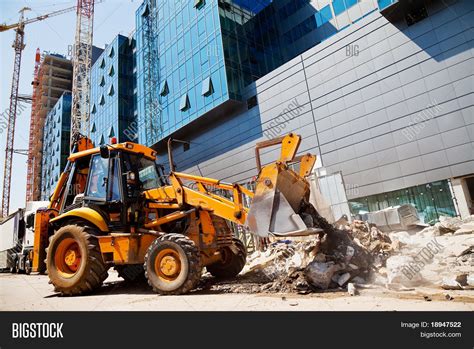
233, 261
74, 262
172, 265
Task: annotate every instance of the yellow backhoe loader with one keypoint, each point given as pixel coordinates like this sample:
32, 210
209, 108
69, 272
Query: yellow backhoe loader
114, 205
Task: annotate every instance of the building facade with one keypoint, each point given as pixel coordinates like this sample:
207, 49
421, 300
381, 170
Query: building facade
194, 59
381, 91
113, 93
54, 78
56, 136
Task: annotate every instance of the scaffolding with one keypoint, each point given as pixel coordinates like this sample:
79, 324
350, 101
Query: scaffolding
31, 139
54, 77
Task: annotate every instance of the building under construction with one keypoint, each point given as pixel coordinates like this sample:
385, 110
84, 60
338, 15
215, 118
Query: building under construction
54, 77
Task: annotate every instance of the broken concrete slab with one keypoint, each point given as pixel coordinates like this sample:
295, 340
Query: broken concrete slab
351, 289
319, 274
399, 271
342, 279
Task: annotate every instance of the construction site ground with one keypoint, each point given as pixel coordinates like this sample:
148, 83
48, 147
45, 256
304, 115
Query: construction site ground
19, 292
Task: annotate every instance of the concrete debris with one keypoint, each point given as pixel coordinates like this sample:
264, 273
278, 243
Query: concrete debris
360, 255
394, 218
457, 282
343, 279
470, 280
320, 274
398, 273
351, 289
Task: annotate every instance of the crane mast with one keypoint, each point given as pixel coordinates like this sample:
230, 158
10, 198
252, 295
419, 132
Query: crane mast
81, 70
18, 46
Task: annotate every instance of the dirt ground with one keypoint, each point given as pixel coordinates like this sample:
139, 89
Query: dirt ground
22, 292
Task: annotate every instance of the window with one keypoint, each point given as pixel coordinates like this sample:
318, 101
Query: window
102, 63
102, 81
111, 71
184, 102
340, 6
111, 90
93, 109
199, 3
111, 132
164, 88
207, 88
111, 52
102, 100
114, 185
145, 11
94, 128
96, 186
252, 102
324, 15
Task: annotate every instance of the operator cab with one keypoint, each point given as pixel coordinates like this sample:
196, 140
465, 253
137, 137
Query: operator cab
111, 182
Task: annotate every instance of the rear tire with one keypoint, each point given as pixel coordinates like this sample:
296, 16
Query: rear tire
232, 264
172, 265
74, 262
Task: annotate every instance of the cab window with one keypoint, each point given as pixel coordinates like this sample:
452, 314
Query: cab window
97, 184
115, 192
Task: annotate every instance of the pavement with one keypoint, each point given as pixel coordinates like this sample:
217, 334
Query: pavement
19, 292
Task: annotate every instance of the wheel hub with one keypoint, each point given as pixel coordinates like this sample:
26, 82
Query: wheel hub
168, 264
70, 257
67, 257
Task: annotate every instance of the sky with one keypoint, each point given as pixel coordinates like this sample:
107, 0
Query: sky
55, 35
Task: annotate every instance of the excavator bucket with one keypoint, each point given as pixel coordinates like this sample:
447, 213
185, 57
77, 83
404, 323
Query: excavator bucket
281, 196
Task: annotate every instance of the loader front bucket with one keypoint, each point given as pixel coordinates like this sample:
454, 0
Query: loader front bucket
279, 204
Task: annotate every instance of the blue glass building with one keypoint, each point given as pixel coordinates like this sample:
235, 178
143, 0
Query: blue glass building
113, 93
56, 136
194, 58
354, 78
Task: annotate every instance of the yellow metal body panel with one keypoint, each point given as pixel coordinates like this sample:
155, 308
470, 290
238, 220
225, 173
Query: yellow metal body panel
126, 146
289, 147
307, 164
87, 214
125, 248
42, 219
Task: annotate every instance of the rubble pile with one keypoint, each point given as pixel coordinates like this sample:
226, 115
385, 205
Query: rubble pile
441, 256
359, 253
315, 263
378, 243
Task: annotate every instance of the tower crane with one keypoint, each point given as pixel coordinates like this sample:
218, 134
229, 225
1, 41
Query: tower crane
82, 60
18, 46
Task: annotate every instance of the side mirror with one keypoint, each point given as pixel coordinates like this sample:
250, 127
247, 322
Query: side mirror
104, 152
30, 220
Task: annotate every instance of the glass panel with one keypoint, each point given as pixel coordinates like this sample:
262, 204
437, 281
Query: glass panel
114, 186
206, 87
96, 186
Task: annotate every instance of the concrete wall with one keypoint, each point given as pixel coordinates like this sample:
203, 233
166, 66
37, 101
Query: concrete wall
390, 106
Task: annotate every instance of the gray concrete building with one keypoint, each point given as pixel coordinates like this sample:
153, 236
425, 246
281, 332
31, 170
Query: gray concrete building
388, 102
